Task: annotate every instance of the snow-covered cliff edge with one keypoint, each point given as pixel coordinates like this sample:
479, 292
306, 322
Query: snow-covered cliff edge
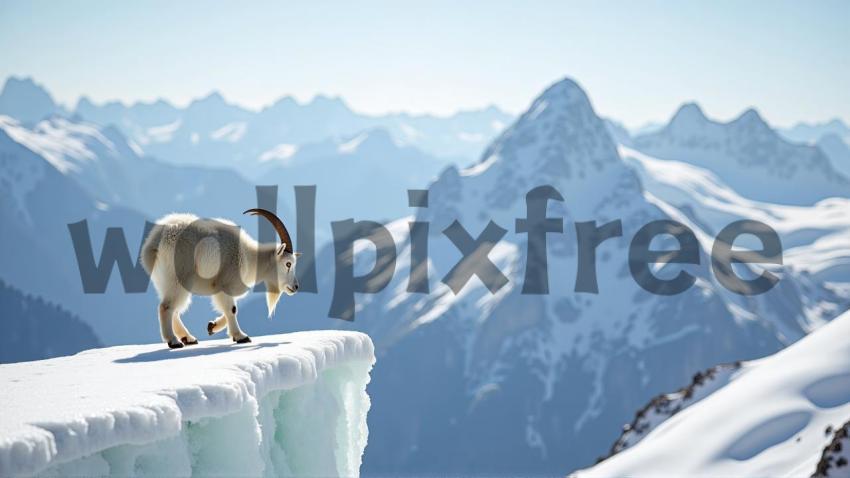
284, 405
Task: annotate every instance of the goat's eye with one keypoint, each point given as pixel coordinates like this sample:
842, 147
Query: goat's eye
288, 265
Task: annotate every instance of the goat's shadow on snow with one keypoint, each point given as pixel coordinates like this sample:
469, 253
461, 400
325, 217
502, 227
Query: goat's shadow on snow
193, 351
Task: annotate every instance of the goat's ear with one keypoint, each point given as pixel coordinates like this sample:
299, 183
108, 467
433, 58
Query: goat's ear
296, 254
281, 249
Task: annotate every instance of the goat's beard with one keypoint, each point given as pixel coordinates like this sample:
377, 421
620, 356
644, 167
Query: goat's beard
272, 296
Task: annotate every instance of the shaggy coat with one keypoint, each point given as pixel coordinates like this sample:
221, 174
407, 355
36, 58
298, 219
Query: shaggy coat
187, 255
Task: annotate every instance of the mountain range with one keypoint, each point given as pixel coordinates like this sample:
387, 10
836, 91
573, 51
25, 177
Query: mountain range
213, 132
813, 132
748, 156
468, 380
518, 383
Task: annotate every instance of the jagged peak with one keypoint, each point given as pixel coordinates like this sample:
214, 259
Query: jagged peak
564, 96
22, 82
26, 99
750, 115
750, 119
327, 100
566, 88
157, 103
84, 102
284, 101
213, 97
690, 113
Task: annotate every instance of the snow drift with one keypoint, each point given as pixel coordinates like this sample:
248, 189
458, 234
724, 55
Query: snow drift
779, 416
285, 405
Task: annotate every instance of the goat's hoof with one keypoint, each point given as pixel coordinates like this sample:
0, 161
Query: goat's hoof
186, 341
211, 328
175, 345
244, 340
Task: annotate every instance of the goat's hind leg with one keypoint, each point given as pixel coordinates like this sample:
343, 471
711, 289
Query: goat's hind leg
169, 308
166, 330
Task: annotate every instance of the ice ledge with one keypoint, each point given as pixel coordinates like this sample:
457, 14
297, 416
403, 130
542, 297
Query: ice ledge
115, 410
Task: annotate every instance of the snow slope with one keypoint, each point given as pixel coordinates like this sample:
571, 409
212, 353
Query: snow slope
816, 239
774, 417
114, 171
285, 405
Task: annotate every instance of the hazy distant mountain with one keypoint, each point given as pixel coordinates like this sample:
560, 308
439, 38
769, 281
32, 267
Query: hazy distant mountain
837, 150
34, 329
365, 176
540, 383
137, 118
748, 156
812, 132
113, 172
26, 100
211, 131
37, 202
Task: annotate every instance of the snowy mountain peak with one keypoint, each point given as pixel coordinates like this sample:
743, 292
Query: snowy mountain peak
751, 119
689, 113
560, 142
25, 100
749, 156
560, 136
213, 98
325, 104
84, 104
566, 88
23, 86
286, 103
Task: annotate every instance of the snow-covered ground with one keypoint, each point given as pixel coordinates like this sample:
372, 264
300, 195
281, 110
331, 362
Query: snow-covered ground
284, 405
774, 417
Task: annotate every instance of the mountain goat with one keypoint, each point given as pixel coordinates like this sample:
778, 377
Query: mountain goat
187, 255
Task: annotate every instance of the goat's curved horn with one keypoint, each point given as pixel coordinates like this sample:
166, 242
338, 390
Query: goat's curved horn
278, 226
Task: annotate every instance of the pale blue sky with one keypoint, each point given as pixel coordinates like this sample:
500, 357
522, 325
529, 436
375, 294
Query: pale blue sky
637, 60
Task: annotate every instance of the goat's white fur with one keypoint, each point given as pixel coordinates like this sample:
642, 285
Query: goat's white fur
226, 264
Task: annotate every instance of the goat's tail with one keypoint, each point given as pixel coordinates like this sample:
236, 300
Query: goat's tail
149, 250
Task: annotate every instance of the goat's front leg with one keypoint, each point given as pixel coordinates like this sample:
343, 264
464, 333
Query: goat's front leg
217, 325
166, 312
180, 329
227, 306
